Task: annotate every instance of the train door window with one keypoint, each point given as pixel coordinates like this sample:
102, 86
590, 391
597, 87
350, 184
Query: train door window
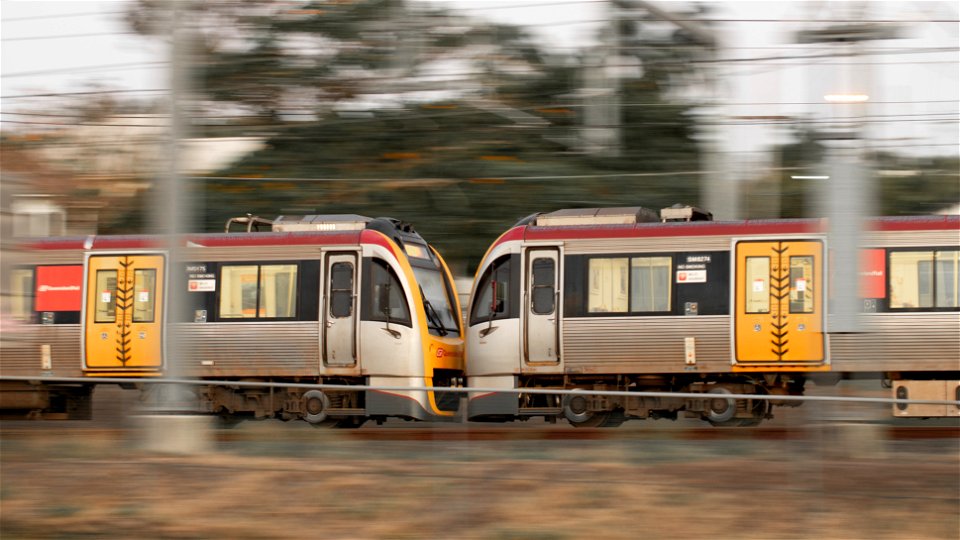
544, 288
494, 292
144, 289
21, 294
238, 292
757, 286
388, 298
608, 285
650, 287
801, 284
106, 297
341, 289
278, 290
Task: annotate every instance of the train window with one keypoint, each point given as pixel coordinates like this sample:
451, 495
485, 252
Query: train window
341, 289
278, 290
923, 279
608, 285
494, 293
21, 294
947, 278
757, 278
801, 284
144, 289
106, 303
650, 283
388, 298
238, 292
544, 288
253, 291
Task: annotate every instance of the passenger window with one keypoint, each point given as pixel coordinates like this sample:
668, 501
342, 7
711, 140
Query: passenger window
254, 291
144, 289
923, 279
238, 292
105, 310
947, 279
278, 290
341, 289
801, 284
21, 294
544, 288
757, 285
650, 283
493, 292
388, 296
608, 285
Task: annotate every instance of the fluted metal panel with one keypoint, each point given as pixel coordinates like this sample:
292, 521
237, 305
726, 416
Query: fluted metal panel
893, 239
21, 353
630, 245
249, 253
280, 349
900, 342
644, 344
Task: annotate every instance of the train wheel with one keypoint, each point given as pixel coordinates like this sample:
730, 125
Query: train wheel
315, 406
721, 411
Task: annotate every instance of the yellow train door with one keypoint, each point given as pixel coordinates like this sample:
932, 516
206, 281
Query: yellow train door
779, 317
123, 322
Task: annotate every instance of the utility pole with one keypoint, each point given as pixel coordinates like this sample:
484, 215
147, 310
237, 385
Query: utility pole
847, 196
719, 190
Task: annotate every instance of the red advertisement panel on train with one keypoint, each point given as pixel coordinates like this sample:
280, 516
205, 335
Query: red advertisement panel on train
873, 273
59, 288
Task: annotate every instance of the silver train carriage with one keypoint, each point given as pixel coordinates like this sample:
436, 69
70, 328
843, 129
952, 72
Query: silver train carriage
338, 299
623, 299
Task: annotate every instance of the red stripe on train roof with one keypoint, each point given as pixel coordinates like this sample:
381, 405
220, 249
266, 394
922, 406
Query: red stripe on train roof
368, 236
515, 233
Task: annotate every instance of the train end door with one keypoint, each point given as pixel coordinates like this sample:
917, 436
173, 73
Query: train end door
542, 306
779, 304
123, 315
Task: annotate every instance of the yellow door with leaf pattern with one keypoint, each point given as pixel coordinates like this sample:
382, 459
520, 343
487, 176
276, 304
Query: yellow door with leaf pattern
779, 316
123, 323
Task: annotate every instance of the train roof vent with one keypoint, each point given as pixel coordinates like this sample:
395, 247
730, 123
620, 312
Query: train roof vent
679, 212
327, 222
625, 215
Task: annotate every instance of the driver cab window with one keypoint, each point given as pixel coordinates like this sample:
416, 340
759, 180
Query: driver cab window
387, 301
494, 294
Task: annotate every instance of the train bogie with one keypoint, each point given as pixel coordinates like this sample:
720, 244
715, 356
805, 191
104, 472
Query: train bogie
616, 300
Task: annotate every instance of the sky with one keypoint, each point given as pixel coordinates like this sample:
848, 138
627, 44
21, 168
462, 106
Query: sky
914, 86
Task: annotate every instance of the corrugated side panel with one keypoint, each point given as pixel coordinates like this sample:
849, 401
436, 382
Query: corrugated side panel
627, 245
22, 350
910, 238
900, 342
281, 349
250, 253
644, 344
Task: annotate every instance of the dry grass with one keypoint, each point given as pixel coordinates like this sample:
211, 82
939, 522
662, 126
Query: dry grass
319, 485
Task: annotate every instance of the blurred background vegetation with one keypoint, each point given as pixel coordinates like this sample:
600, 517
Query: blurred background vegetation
457, 125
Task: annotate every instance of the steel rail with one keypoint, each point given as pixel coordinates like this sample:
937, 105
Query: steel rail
469, 390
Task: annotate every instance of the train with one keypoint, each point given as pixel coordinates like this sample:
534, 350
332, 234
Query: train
633, 300
341, 300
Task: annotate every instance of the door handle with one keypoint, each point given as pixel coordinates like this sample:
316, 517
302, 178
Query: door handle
329, 324
486, 331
